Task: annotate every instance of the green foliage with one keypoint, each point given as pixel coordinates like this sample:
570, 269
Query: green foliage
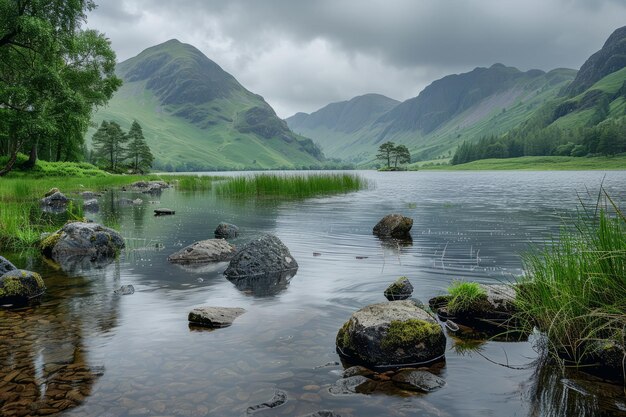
575, 289
464, 296
538, 163
108, 145
138, 152
289, 186
389, 152
196, 182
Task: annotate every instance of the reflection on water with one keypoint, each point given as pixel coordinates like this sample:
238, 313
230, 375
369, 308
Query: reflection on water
91, 353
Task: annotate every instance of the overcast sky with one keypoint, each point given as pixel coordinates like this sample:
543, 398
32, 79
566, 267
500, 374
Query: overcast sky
303, 54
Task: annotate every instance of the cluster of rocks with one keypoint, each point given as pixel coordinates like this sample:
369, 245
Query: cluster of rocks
362, 380
149, 187
18, 286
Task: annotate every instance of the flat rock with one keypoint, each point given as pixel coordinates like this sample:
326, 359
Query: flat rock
163, 212
125, 290
393, 225
204, 251
414, 380
226, 231
18, 286
358, 370
5, 266
401, 289
347, 386
214, 316
266, 255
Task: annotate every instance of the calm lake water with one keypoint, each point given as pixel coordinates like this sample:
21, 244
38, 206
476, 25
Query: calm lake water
136, 355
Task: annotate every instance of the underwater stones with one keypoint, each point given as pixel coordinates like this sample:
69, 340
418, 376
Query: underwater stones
262, 256
5, 266
55, 200
393, 225
91, 205
204, 251
348, 385
401, 289
18, 286
279, 398
417, 380
125, 290
214, 317
78, 240
164, 212
394, 333
358, 370
226, 231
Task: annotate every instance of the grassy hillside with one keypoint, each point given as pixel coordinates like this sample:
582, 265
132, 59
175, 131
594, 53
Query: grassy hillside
196, 116
536, 163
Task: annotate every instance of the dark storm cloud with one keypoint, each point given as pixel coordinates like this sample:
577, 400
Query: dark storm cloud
301, 55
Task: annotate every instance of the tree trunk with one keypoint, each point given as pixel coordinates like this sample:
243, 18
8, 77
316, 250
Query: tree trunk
32, 157
9, 165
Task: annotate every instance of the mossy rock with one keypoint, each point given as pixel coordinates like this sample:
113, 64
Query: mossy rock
393, 225
20, 286
401, 289
396, 333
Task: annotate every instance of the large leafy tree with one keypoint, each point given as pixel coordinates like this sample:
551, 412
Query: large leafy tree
138, 151
52, 75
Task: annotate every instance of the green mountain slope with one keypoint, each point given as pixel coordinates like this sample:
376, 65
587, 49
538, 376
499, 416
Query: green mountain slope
197, 116
450, 110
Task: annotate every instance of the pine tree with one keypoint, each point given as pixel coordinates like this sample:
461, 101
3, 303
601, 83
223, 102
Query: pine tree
138, 150
108, 144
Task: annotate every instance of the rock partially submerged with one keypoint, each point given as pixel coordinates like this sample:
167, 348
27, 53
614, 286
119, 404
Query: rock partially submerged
5, 266
55, 200
417, 380
391, 334
76, 241
401, 289
150, 187
394, 225
19, 286
263, 285
91, 205
204, 251
125, 290
392, 382
263, 256
164, 212
226, 231
214, 317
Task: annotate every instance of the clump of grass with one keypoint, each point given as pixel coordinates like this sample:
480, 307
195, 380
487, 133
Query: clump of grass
286, 185
194, 182
575, 289
464, 296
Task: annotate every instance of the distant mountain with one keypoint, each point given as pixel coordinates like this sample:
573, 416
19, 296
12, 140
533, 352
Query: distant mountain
611, 58
450, 110
197, 116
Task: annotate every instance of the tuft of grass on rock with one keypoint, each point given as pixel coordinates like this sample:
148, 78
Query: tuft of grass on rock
464, 296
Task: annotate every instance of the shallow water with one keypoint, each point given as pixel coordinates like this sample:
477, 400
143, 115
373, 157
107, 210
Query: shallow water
90, 353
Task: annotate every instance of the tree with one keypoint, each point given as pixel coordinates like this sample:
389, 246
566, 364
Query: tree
400, 155
52, 75
138, 151
385, 151
108, 144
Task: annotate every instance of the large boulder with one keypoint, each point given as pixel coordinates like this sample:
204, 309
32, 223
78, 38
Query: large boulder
79, 240
401, 289
5, 266
263, 256
18, 286
210, 250
226, 231
394, 225
392, 333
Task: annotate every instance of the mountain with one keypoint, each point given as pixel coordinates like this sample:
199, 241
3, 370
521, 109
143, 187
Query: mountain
450, 110
196, 116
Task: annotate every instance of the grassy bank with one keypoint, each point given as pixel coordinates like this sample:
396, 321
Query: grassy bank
537, 163
575, 291
285, 185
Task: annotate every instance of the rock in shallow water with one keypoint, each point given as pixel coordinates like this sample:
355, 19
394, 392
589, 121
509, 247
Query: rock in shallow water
395, 333
125, 290
204, 251
414, 380
401, 289
266, 255
215, 317
393, 225
226, 231
164, 212
18, 286
55, 200
5, 266
91, 205
348, 385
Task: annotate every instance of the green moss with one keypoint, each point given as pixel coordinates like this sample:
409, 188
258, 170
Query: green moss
343, 336
49, 242
13, 286
410, 332
397, 286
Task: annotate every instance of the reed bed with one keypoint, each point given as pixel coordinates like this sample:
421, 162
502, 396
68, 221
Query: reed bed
575, 289
290, 185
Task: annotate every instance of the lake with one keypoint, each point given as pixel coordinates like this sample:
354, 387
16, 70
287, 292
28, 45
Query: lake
136, 355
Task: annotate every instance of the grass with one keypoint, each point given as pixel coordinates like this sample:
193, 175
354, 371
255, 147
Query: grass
284, 185
538, 163
464, 295
195, 182
575, 289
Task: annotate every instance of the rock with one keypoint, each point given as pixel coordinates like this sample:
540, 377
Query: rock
279, 398
125, 202
393, 225
87, 195
358, 370
322, 413
125, 290
226, 231
347, 386
91, 205
414, 380
266, 255
391, 333
210, 250
52, 191
137, 201
150, 187
78, 240
5, 266
401, 289
18, 286
163, 212
55, 200
214, 316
